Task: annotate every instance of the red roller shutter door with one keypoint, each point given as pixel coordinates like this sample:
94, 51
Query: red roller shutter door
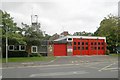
60, 50
80, 46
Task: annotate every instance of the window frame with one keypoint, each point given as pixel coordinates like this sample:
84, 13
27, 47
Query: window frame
95, 48
102, 48
78, 47
20, 47
75, 43
69, 39
82, 43
91, 43
34, 47
83, 48
86, 43
10, 49
95, 43
98, 48
102, 43
98, 43
74, 48
86, 48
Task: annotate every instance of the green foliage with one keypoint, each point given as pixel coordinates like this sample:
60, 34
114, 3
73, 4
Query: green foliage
29, 34
0, 17
110, 29
83, 33
47, 37
107, 52
10, 29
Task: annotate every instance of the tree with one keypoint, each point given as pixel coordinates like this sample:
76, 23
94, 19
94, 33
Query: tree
110, 29
54, 36
30, 32
47, 37
83, 33
10, 27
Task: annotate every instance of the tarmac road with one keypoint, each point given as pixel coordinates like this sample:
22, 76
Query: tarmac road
68, 67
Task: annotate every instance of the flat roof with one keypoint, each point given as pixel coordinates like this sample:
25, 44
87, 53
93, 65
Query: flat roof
83, 37
59, 42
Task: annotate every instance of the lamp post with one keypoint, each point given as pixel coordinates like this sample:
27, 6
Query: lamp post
1, 42
6, 45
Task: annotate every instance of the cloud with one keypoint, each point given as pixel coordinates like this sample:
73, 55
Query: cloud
58, 15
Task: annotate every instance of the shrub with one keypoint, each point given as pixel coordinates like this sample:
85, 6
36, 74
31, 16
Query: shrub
107, 52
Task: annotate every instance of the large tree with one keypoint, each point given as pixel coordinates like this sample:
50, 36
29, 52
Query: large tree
110, 29
10, 30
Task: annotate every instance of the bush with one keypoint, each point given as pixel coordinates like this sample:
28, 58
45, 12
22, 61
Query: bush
16, 54
35, 55
107, 52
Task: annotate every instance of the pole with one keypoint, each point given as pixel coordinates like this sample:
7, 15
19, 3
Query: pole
1, 43
6, 46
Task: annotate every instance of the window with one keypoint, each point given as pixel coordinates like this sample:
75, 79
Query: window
91, 43
34, 49
86, 43
22, 47
74, 43
86, 48
92, 48
95, 43
16, 47
102, 48
69, 38
82, 48
95, 48
74, 48
11, 47
82, 43
78, 43
78, 48
98, 43
98, 48
102, 43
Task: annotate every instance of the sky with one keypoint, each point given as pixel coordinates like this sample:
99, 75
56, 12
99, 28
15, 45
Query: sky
57, 16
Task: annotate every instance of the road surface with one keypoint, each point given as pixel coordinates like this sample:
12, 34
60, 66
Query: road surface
68, 67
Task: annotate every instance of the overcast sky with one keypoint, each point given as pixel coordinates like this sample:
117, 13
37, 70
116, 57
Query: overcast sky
57, 16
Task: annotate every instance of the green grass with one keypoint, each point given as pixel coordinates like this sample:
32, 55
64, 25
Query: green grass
114, 54
28, 59
0, 60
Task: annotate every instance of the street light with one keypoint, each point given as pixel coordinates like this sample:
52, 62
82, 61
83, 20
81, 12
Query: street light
6, 45
1, 43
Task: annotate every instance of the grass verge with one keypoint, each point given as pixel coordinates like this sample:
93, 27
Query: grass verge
28, 59
115, 55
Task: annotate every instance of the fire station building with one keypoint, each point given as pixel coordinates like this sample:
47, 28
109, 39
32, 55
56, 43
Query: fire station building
79, 45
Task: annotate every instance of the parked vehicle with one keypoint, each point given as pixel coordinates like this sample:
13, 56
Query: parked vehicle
117, 49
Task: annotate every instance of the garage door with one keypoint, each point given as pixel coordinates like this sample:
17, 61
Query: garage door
80, 46
60, 50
